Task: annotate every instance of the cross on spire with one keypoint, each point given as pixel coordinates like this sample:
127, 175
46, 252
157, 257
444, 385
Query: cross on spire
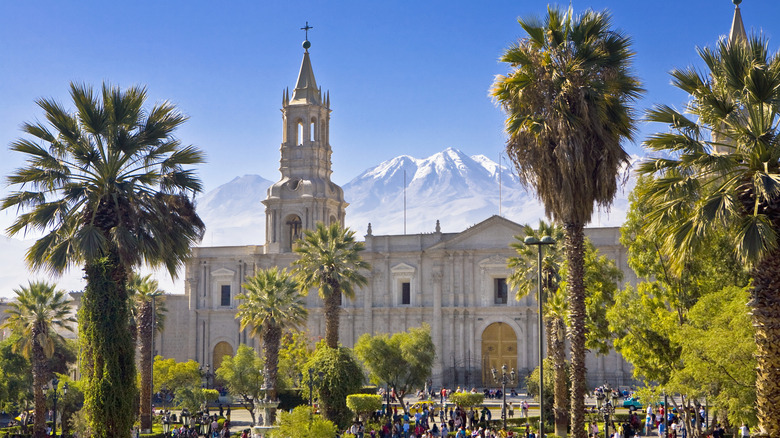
306, 29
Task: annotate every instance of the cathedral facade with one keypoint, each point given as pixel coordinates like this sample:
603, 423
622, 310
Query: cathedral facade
454, 282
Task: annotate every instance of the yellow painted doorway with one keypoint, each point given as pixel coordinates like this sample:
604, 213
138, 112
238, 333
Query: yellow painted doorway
499, 347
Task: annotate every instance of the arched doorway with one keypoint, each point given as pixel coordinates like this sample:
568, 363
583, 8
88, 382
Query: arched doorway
221, 350
499, 347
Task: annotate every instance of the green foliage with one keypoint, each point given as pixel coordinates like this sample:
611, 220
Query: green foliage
532, 383
172, 375
467, 399
16, 376
194, 399
295, 350
302, 423
364, 404
403, 360
107, 352
342, 375
717, 357
330, 261
242, 376
271, 302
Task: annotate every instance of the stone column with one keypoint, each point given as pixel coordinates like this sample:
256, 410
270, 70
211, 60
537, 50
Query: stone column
436, 329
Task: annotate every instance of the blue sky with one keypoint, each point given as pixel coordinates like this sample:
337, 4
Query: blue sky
405, 77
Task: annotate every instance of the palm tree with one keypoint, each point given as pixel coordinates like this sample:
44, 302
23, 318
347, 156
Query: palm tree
149, 318
330, 261
568, 98
36, 314
523, 279
720, 172
272, 303
110, 187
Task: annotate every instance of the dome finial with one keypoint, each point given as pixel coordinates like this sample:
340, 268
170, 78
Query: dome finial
306, 42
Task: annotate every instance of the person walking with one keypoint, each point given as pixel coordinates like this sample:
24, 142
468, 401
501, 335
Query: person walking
744, 432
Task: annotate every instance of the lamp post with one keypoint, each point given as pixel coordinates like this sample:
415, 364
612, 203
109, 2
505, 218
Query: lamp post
533, 241
504, 379
54, 383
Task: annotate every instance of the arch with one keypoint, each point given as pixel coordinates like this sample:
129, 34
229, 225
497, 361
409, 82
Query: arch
313, 129
299, 133
292, 232
332, 220
499, 347
221, 350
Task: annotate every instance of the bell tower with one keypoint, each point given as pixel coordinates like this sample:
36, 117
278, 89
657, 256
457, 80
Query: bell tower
304, 195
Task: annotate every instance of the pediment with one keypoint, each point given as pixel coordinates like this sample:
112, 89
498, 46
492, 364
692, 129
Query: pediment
493, 261
494, 232
402, 268
223, 272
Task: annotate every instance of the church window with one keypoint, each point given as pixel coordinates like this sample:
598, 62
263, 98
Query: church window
500, 291
299, 138
313, 129
406, 293
294, 229
225, 296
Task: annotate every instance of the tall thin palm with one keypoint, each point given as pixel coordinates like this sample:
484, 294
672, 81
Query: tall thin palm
330, 261
149, 319
37, 313
523, 278
720, 172
568, 97
271, 303
110, 187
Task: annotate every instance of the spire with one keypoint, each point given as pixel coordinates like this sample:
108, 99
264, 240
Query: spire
306, 91
737, 26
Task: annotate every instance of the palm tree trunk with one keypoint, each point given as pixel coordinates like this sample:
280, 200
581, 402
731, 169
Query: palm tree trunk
39, 379
332, 317
575, 251
145, 331
272, 338
559, 366
765, 304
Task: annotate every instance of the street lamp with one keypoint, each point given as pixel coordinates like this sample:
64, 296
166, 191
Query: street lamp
54, 383
504, 379
311, 384
533, 241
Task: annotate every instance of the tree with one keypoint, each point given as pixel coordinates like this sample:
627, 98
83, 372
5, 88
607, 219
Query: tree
601, 279
330, 261
35, 315
290, 425
271, 303
342, 375
364, 405
404, 360
568, 98
718, 171
174, 375
295, 350
524, 278
243, 377
149, 320
550, 386
719, 364
110, 187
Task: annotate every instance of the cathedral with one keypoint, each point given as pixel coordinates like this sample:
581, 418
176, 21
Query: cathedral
454, 282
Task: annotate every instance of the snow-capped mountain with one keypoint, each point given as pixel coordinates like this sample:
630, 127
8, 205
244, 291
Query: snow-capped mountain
233, 212
449, 186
